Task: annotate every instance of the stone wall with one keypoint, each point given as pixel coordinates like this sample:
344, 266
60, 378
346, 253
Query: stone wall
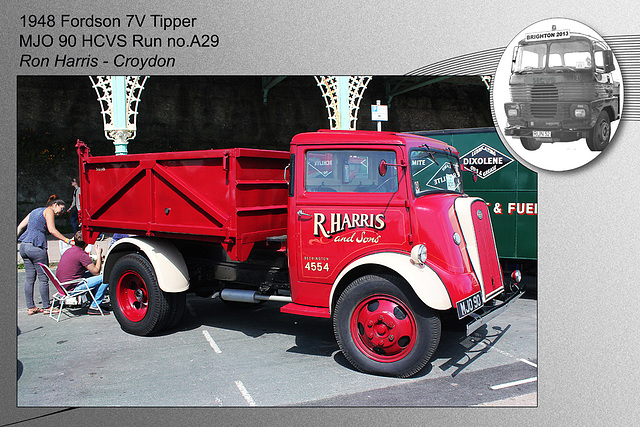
202, 112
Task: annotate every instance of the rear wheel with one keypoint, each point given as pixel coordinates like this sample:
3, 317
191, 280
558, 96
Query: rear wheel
600, 135
177, 303
530, 144
383, 329
140, 306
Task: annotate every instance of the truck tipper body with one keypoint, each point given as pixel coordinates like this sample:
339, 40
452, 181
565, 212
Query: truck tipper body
562, 89
370, 229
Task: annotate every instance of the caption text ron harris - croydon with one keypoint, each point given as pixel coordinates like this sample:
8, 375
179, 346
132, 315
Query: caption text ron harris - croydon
89, 61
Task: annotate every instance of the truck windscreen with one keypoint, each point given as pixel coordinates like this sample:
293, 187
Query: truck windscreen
434, 171
570, 55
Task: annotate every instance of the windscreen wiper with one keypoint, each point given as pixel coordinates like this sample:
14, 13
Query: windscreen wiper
430, 151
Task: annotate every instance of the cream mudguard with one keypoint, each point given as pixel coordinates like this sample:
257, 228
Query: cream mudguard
422, 279
168, 263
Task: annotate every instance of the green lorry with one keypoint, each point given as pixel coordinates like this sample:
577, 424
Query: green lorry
509, 188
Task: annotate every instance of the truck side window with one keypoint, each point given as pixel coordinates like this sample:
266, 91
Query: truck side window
598, 56
349, 171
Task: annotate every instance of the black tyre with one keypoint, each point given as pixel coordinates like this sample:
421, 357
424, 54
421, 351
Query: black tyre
382, 328
530, 144
600, 135
177, 304
138, 303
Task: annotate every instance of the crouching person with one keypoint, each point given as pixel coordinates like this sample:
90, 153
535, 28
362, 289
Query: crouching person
75, 263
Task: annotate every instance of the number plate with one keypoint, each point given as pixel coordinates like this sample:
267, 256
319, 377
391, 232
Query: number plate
469, 305
542, 134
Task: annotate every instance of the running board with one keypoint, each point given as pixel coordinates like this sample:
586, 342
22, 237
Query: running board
305, 310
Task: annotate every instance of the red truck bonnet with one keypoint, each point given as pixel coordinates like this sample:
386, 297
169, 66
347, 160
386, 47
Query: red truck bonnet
451, 260
438, 209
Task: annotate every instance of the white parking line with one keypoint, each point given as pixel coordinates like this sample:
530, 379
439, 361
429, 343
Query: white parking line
212, 343
514, 383
528, 362
514, 357
245, 393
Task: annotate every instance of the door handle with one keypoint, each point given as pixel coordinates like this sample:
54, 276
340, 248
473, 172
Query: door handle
285, 173
301, 213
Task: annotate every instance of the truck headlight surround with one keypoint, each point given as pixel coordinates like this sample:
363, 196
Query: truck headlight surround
579, 111
419, 254
512, 109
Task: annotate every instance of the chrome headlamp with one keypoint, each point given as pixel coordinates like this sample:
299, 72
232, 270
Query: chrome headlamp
419, 254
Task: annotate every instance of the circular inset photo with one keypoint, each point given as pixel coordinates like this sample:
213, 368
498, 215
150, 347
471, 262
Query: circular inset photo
557, 95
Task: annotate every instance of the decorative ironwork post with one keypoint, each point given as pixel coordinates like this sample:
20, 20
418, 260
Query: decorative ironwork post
342, 95
119, 97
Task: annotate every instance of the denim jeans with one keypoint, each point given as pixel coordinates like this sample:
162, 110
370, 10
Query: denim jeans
94, 282
32, 255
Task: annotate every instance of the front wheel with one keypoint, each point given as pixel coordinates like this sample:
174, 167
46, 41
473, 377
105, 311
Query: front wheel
600, 135
383, 329
530, 144
140, 306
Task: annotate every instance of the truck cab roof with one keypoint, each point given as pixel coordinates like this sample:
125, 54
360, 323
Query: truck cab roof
367, 137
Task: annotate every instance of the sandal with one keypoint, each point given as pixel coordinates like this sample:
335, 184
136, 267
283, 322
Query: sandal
34, 310
50, 310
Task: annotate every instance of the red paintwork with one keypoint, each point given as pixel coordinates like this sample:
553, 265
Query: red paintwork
435, 222
349, 138
238, 197
314, 287
383, 328
305, 310
429, 219
133, 296
491, 271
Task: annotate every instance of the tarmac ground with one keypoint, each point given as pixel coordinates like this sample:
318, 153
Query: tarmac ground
230, 357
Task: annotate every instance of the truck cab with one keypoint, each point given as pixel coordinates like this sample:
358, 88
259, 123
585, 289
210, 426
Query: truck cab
370, 229
379, 224
562, 89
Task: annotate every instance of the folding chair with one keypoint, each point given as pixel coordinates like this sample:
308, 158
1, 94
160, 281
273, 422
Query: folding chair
66, 290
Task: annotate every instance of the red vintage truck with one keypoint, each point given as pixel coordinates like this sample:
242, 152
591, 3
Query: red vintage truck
371, 229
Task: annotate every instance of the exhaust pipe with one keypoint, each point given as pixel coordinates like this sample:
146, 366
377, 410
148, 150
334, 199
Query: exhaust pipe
244, 295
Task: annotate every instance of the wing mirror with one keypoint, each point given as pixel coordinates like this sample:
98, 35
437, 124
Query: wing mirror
475, 173
384, 166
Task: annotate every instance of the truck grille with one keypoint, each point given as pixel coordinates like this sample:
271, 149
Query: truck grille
551, 101
544, 101
489, 264
544, 93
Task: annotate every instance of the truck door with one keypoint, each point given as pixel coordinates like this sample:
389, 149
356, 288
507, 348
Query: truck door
344, 209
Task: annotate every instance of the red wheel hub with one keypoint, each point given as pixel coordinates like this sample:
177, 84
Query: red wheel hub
133, 296
383, 328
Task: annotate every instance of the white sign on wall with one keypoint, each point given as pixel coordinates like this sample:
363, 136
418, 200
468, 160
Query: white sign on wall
379, 113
